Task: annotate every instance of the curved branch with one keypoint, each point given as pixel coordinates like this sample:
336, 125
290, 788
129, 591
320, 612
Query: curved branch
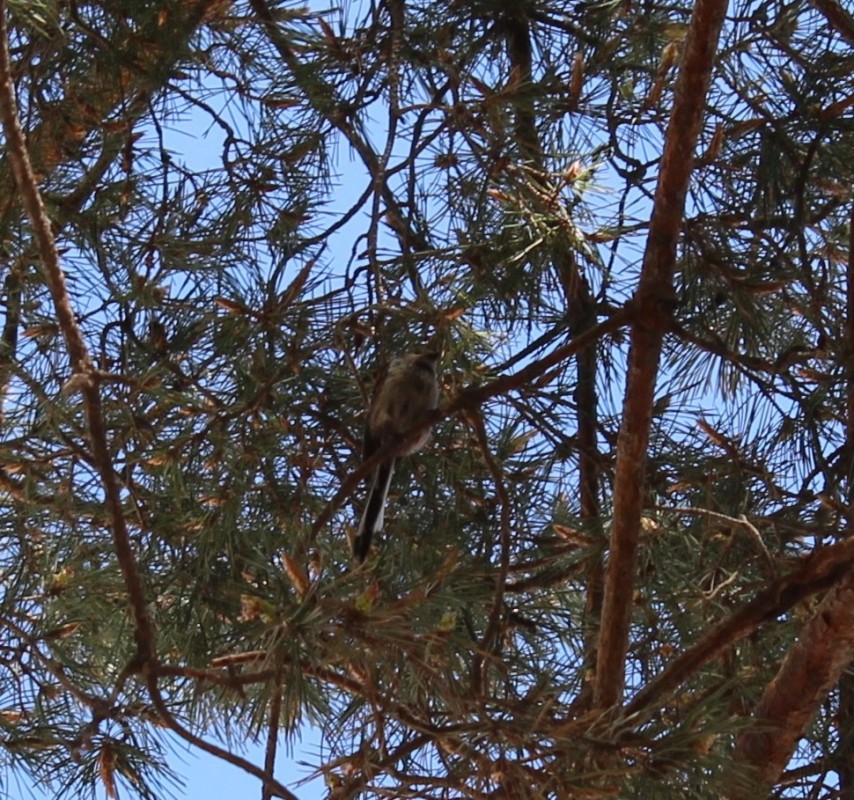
273, 787
84, 376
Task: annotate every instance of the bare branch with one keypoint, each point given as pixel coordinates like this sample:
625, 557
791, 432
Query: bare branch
654, 299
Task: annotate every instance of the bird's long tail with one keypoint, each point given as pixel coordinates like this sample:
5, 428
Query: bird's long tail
373, 515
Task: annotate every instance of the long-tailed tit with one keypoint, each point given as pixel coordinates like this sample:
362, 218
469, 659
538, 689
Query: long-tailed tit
409, 391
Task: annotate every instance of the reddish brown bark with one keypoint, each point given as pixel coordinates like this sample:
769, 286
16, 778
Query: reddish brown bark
826, 646
809, 672
654, 300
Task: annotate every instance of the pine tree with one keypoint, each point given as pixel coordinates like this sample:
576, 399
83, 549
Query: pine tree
623, 567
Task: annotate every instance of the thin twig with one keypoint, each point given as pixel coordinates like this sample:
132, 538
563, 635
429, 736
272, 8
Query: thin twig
272, 737
740, 520
491, 640
166, 716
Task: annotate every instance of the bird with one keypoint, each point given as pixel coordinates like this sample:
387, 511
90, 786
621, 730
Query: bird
409, 391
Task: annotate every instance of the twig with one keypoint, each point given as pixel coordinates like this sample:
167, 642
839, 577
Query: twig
274, 787
272, 737
741, 520
491, 640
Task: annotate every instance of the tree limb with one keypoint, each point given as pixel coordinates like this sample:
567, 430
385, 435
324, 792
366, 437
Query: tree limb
654, 299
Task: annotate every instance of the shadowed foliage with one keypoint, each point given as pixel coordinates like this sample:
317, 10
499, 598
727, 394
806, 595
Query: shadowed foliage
623, 565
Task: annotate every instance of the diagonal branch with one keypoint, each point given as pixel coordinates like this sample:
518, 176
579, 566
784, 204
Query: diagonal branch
472, 398
817, 572
825, 648
654, 299
84, 376
838, 18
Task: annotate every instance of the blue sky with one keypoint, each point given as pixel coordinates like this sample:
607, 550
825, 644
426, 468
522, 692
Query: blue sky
206, 777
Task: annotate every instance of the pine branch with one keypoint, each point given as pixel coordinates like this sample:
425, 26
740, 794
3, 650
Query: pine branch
654, 299
84, 376
817, 572
825, 648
